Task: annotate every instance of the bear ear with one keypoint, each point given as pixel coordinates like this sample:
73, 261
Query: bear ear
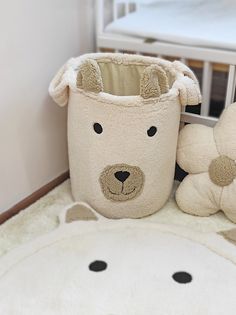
89, 77
187, 84
77, 212
154, 82
58, 88
229, 235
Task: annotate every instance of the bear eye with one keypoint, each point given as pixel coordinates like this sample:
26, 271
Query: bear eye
152, 131
97, 128
182, 277
98, 265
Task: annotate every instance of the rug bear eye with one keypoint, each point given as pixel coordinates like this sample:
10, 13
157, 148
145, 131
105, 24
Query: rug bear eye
152, 131
98, 265
97, 128
182, 277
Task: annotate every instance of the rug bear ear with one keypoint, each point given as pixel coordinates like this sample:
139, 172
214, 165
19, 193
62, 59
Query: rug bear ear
229, 235
154, 82
89, 77
77, 212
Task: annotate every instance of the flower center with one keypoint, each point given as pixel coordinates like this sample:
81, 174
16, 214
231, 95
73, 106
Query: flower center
222, 171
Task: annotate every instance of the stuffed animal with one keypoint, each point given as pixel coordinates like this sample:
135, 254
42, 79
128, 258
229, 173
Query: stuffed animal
208, 155
123, 120
92, 265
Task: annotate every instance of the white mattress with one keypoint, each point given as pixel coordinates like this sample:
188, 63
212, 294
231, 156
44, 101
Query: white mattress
197, 23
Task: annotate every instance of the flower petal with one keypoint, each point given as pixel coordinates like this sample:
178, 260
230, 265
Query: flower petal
196, 148
228, 201
225, 132
198, 195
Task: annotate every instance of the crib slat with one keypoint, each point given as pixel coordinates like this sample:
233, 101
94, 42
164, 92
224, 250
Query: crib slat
137, 6
100, 17
206, 88
115, 11
182, 122
230, 93
197, 119
126, 7
184, 61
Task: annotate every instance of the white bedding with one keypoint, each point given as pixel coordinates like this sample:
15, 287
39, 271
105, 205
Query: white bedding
198, 23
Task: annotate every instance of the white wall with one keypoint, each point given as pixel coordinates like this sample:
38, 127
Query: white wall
36, 38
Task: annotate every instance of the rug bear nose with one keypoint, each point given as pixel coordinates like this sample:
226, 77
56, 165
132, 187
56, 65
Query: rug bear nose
122, 176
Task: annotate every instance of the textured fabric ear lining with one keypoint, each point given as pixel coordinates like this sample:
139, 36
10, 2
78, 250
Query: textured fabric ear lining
185, 70
188, 86
229, 235
189, 92
77, 212
89, 77
154, 82
59, 89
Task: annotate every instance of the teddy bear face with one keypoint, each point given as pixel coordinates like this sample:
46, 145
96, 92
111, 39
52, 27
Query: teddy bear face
118, 269
209, 156
121, 163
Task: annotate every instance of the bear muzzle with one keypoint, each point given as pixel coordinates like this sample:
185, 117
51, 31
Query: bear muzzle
121, 182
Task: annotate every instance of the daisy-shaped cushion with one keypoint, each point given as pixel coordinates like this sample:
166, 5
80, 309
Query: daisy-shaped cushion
209, 156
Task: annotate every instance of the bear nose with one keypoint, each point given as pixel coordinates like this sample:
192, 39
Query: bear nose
122, 176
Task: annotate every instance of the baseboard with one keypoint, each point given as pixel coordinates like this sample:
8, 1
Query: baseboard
33, 197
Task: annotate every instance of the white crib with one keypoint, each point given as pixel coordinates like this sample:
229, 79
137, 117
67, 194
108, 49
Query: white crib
119, 42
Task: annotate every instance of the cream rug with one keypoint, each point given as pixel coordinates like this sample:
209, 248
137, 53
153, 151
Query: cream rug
42, 217
119, 267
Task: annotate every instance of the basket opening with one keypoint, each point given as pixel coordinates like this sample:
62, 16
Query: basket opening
123, 79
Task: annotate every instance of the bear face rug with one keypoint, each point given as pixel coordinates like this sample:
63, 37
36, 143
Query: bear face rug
209, 156
94, 266
123, 121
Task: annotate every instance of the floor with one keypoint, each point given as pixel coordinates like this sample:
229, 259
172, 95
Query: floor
42, 217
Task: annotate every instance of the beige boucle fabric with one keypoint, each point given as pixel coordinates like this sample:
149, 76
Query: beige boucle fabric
89, 77
222, 171
154, 82
208, 155
125, 114
117, 191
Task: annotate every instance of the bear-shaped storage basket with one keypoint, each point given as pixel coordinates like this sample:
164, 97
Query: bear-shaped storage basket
123, 120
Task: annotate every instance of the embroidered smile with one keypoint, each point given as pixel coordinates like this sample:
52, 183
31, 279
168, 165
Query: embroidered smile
122, 193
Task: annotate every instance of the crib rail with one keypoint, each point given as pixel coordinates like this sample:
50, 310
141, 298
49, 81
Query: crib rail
208, 56
230, 93
116, 3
